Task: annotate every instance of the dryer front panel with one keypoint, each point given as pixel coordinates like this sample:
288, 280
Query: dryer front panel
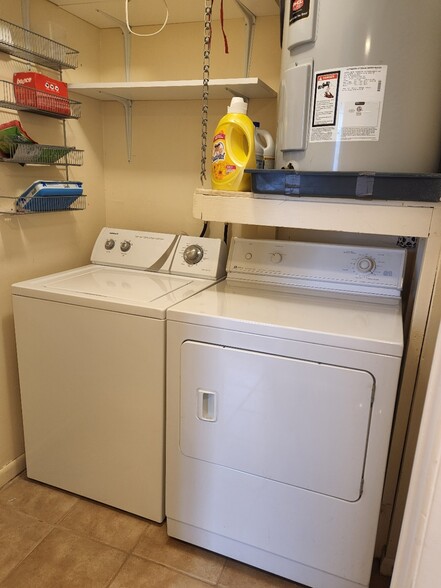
293, 421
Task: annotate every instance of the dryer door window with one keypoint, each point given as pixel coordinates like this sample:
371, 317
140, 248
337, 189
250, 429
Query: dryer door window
292, 421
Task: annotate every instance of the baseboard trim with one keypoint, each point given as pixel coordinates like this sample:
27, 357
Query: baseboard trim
12, 469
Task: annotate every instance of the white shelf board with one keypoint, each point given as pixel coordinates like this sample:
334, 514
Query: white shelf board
175, 90
380, 217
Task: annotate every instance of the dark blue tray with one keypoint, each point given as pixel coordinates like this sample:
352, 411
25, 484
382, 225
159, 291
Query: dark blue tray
363, 185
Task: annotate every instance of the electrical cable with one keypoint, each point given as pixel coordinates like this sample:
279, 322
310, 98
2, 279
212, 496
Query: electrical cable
204, 229
145, 34
226, 233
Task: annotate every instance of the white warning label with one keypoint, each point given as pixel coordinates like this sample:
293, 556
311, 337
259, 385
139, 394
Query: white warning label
348, 103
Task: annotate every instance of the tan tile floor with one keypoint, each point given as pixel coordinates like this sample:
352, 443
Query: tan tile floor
53, 539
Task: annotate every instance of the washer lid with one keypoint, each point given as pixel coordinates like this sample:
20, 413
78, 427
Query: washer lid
110, 288
119, 284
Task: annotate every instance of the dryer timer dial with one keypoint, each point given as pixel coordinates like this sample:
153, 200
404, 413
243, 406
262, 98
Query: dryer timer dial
365, 265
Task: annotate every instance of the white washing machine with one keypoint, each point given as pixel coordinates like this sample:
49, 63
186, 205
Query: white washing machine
281, 384
91, 355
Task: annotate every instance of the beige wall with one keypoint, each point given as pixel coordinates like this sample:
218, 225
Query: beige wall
37, 244
152, 192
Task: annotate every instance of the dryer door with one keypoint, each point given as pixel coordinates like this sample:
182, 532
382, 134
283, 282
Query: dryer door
293, 421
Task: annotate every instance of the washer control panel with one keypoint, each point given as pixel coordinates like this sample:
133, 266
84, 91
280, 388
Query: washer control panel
160, 252
377, 270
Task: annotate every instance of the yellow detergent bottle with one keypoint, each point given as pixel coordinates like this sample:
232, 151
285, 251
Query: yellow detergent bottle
233, 149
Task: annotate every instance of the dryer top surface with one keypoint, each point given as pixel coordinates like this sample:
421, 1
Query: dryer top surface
372, 326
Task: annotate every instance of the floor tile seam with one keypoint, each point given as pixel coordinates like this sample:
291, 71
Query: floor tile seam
178, 570
64, 515
226, 559
173, 569
23, 559
92, 538
17, 509
118, 571
141, 536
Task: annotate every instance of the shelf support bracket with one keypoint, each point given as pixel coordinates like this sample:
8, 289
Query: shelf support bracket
127, 42
25, 14
127, 104
250, 23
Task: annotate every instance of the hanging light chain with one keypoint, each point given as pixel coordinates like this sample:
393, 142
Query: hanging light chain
205, 82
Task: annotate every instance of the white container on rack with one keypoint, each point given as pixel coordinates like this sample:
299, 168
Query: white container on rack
258, 147
265, 143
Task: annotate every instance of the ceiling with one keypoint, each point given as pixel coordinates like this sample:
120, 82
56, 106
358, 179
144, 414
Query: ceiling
152, 12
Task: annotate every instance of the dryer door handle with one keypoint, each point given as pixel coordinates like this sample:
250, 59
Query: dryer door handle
206, 405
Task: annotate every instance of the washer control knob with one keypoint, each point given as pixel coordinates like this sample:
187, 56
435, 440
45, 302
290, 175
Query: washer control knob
276, 257
193, 254
365, 265
125, 246
109, 244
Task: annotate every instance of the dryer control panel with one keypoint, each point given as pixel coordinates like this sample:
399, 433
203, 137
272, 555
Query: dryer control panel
161, 252
336, 268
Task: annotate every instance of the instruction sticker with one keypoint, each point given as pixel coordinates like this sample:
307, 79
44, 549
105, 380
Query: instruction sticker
299, 9
348, 103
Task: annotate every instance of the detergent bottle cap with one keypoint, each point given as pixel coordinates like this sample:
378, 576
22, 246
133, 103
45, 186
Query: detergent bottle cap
238, 105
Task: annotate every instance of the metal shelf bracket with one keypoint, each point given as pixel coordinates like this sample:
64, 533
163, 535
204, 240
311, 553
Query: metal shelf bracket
127, 104
250, 23
127, 42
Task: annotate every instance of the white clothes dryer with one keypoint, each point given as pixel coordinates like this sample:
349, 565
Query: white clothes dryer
281, 384
91, 356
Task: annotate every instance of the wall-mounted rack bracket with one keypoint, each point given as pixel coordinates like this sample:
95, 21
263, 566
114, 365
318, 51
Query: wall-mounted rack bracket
127, 104
25, 14
250, 23
127, 42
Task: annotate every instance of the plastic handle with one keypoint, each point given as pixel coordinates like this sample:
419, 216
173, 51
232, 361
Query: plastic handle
207, 406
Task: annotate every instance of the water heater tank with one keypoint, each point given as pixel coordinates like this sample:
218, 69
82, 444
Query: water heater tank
360, 86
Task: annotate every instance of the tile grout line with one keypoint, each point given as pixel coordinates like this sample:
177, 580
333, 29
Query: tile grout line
28, 554
118, 571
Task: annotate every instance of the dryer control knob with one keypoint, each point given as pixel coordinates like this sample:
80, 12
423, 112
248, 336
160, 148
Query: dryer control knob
366, 265
193, 254
276, 257
109, 244
125, 246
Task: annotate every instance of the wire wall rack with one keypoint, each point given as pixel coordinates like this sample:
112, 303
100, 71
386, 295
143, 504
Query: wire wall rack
17, 97
39, 204
37, 154
30, 46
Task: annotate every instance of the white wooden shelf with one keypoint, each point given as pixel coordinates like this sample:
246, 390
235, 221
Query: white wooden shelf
175, 90
378, 217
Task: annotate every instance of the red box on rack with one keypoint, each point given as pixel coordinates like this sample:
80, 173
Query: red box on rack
39, 91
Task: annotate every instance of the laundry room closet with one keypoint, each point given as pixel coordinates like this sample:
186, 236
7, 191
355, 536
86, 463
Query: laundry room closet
138, 134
